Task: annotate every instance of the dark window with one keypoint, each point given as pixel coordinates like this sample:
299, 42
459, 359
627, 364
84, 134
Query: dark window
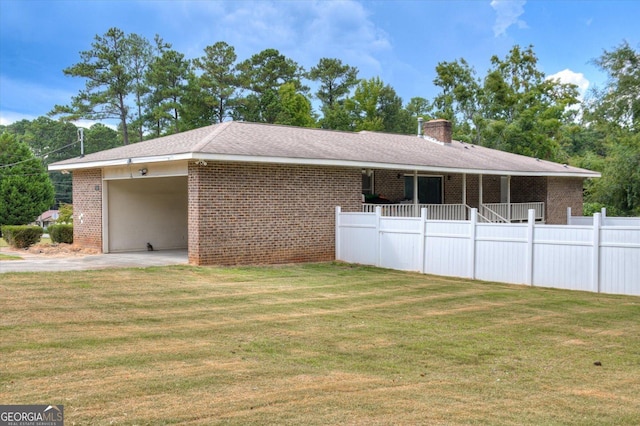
367, 183
429, 189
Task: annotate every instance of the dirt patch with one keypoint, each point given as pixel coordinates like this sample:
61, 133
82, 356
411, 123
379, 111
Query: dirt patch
52, 250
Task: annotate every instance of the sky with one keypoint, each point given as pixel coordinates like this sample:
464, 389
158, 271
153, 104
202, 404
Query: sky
400, 41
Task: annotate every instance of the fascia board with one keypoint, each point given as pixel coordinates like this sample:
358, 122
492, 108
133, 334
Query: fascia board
309, 162
119, 162
376, 165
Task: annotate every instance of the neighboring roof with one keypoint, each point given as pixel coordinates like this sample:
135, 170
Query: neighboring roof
266, 143
48, 215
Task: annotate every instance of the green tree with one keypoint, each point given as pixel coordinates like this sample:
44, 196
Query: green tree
619, 187
376, 107
619, 102
25, 188
261, 76
51, 141
218, 80
141, 55
295, 108
166, 78
336, 81
460, 99
99, 137
420, 107
612, 115
65, 214
107, 69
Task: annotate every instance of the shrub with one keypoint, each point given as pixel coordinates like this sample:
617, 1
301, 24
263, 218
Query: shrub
21, 236
61, 233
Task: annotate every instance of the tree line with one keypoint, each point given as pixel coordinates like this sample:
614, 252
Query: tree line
152, 90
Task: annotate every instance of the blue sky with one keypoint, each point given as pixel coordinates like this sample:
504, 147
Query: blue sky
399, 41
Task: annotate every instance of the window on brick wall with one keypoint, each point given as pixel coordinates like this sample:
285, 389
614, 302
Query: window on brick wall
367, 183
429, 189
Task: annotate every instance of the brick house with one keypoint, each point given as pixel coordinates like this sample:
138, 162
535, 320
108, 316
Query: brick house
241, 193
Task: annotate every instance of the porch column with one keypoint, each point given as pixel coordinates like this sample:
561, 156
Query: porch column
464, 189
415, 193
480, 193
509, 198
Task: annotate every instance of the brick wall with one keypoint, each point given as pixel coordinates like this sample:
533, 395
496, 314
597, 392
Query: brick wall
87, 208
453, 186
563, 192
528, 189
258, 214
387, 184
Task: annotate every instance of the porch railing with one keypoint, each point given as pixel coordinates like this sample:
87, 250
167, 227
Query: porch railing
434, 211
513, 212
492, 212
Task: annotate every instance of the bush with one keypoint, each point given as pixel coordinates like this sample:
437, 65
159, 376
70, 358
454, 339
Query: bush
21, 236
61, 233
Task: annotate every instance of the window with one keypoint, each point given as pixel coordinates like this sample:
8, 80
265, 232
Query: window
429, 189
367, 183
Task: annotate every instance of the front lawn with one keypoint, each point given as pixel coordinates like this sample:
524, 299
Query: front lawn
315, 344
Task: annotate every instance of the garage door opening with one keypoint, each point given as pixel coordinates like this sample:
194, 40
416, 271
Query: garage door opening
149, 210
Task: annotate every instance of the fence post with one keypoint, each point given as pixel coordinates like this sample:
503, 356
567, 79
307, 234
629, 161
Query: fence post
423, 233
338, 248
568, 215
378, 232
595, 261
531, 220
603, 219
472, 244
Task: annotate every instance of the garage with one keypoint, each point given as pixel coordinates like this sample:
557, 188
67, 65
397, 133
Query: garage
146, 210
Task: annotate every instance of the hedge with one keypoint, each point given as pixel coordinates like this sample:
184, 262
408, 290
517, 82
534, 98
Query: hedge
61, 233
21, 236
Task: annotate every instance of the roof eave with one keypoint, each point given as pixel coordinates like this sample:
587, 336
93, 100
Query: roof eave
309, 162
119, 162
380, 165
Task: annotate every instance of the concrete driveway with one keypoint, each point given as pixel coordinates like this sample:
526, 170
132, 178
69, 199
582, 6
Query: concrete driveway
38, 263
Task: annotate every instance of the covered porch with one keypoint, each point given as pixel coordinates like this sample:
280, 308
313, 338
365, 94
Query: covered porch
498, 198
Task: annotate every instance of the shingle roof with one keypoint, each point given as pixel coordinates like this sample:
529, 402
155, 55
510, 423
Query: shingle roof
252, 142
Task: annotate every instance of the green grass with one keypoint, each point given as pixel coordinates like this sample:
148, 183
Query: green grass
315, 344
9, 257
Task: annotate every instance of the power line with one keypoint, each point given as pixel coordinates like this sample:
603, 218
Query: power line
42, 157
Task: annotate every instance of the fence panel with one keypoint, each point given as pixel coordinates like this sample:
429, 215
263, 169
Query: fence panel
620, 260
399, 243
356, 238
590, 258
501, 252
447, 248
563, 257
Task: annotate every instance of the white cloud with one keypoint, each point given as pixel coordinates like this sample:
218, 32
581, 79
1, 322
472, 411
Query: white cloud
302, 30
570, 77
18, 95
345, 30
9, 117
508, 13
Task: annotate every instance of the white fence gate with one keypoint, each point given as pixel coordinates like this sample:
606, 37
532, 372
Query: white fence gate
578, 257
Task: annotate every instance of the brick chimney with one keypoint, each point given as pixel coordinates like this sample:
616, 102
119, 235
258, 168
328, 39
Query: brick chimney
438, 129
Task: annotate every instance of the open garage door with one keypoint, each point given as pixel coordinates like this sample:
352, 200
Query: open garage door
147, 210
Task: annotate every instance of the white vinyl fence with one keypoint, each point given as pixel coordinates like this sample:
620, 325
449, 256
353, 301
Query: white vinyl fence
604, 219
577, 257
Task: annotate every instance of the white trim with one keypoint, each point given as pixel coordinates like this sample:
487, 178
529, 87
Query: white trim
105, 216
308, 162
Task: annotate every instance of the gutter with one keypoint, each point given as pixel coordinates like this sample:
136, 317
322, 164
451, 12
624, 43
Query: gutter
311, 162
